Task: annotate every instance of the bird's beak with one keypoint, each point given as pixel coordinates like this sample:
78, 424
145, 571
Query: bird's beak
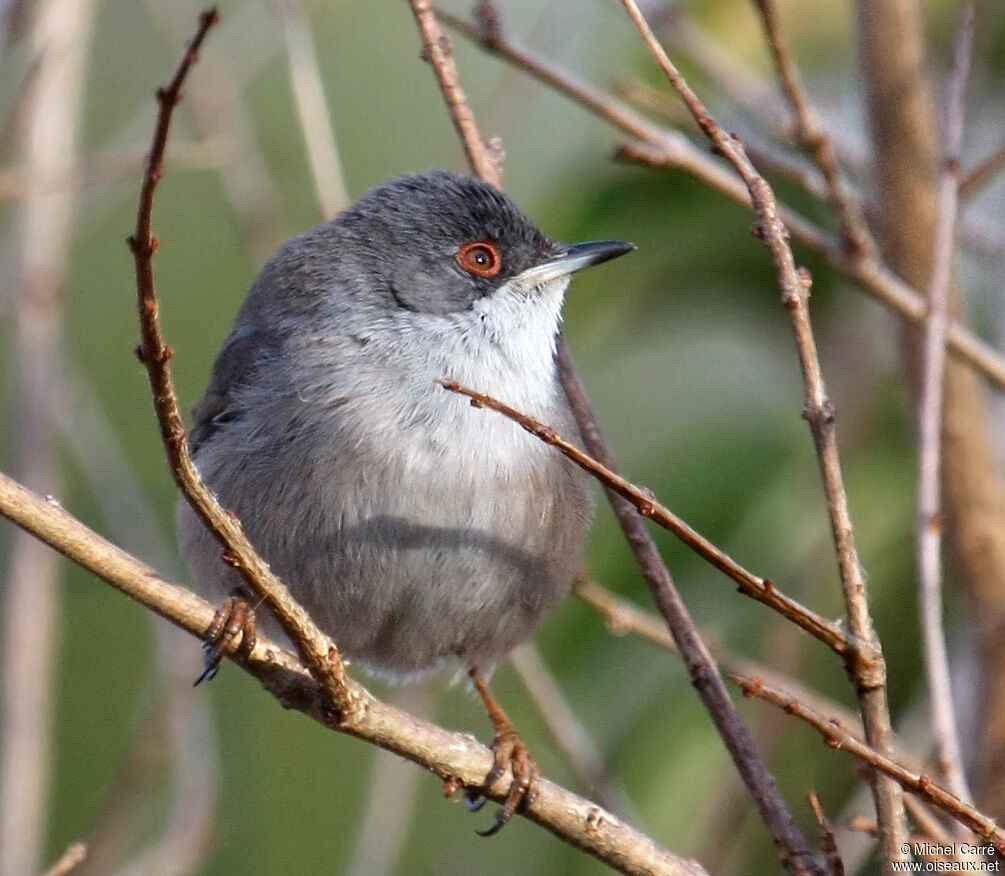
574, 258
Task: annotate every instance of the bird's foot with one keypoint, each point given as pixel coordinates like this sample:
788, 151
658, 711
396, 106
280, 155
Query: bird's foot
234, 630
511, 754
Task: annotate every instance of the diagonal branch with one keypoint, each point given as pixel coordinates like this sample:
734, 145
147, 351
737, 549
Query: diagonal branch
457, 757
645, 503
663, 148
810, 134
868, 671
916, 783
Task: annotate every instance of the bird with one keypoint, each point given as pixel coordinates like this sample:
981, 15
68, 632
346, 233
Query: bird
417, 533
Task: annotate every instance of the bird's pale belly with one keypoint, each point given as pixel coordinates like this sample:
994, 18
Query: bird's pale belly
408, 564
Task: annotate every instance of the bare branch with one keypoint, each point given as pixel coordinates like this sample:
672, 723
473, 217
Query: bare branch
451, 756
624, 617
312, 109
982, 174
318, 652
664, 148
647, 505
630, 501
68, 860
704, 672
868, 670
809, 133
916, 783
930, 406
834, 861
436, 48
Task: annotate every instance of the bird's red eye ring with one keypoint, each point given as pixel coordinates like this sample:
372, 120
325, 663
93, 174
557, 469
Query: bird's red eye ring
480, 257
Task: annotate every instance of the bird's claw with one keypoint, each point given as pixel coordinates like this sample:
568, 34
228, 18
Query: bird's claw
510, 754
234, 630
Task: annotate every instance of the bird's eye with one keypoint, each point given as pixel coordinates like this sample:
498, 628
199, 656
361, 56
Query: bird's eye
481, 258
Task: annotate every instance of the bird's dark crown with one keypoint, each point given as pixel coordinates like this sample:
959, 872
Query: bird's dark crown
411, 230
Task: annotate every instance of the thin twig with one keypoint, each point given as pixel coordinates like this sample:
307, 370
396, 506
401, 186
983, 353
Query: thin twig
700, 664
318, 652
622, 617
920, 784
827, 835
866, 666
312, 108
810, 134
456, 757
73, 855
982, 174
662, 148
645, 503
436, 48
930, 404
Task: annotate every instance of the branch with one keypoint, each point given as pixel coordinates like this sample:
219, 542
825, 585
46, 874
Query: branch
644, 501
73, 855
623, 617
704, 673
827, 835
982, 174
312, 109
664, 148
317, 651
436, 48
809, 133
916, 783
450, 756
867, 670
930, 406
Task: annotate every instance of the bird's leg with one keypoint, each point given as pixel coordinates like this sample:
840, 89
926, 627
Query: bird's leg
233, 630
510, 754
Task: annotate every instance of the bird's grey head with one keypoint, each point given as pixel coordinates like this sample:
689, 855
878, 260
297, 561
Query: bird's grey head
441, 242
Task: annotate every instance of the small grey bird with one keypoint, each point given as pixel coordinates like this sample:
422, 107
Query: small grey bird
415, 530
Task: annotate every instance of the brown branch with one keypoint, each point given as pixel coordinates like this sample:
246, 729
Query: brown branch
73, 855
920, 784
630, 501
930, 405
865, 666
705, 675
645, 503
834, 861
982, 174
450, 756
436, 48
316, 125
318, 652
664, 148
623, 617
810, 134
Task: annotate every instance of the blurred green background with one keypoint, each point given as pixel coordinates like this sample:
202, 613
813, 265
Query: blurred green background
686, 352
